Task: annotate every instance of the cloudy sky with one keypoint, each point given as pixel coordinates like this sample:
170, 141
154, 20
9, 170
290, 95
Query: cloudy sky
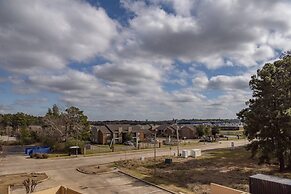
154, 59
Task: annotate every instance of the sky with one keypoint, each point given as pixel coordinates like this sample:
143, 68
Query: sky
138, 60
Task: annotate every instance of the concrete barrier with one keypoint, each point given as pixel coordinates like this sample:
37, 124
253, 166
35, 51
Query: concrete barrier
4, 189
57, 190
219, 189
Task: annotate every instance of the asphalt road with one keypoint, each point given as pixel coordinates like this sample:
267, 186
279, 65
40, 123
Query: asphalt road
62, 171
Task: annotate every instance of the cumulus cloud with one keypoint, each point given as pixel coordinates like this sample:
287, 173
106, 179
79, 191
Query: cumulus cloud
127, 72
49, 34
68, 82
162, 64
222, 82
213, 31
229, 82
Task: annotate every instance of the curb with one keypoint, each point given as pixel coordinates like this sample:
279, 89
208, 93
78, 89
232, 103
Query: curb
80, 171
149, 183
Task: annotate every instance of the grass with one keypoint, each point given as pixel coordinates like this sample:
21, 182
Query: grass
119, 148
56, 155
234, 132
227, 167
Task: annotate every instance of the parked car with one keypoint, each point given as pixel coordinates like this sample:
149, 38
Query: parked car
205, 139
128, 143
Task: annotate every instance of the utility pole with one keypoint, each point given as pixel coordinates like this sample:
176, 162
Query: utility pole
177, 130
112, 142
155, 153
155, 147
137, 138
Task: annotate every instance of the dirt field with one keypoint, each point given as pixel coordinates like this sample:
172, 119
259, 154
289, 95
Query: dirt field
226, 167
16, 180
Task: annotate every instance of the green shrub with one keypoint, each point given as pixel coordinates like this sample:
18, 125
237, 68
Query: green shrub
74, 142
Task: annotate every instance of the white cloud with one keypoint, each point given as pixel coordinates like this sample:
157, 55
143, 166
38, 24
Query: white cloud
69, 82
200, 81
40, 38
127, 72
222, 82
241, 31
48, 34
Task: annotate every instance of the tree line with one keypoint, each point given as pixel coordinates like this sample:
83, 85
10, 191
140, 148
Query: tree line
56, 128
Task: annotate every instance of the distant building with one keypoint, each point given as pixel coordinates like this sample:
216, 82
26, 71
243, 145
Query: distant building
119, 132
104, 135
188, 132
166, 130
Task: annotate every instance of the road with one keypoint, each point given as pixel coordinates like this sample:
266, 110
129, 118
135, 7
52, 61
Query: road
62, 171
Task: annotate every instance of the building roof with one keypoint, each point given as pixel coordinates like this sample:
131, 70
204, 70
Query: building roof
123, 127
104, 129
141, 129
188, 127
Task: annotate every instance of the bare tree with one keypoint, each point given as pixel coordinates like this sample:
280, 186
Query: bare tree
30, 185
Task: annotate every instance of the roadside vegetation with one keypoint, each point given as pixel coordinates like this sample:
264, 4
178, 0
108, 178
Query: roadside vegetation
57, 129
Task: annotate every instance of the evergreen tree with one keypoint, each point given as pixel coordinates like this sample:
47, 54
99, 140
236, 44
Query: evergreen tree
268, 115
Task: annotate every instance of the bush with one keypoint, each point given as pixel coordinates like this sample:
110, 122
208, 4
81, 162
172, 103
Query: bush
74, 142
39, 156
59, 147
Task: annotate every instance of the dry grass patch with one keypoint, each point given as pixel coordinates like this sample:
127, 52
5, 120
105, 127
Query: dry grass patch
16, 180
224, 166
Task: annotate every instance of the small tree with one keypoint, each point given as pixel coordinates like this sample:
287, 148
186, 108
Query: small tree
215, 130
128, 137
56, 110
207, 131
200, 130
30, 185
